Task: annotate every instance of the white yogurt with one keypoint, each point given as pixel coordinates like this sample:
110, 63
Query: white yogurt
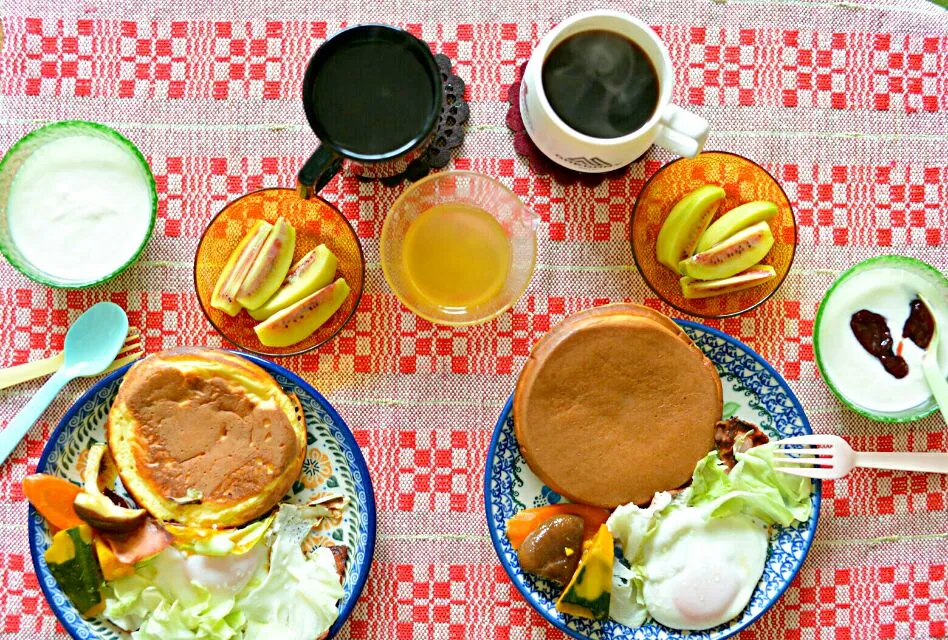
854, 371
79, 207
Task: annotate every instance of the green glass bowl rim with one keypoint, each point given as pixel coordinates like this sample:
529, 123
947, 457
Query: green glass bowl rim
655, 288
79, 125
893, 260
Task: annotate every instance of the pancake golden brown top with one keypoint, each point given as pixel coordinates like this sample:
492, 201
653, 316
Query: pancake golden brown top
205, 437
615, 404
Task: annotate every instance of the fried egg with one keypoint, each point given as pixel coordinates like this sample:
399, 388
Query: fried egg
700, 571
225, 575
228, 574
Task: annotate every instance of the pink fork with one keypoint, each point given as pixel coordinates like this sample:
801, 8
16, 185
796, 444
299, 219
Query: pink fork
825, 457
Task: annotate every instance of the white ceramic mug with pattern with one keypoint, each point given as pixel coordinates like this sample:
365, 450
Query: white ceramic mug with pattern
670, 126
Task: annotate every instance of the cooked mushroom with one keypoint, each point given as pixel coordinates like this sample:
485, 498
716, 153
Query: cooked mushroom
726, 434
93, 506
553, 549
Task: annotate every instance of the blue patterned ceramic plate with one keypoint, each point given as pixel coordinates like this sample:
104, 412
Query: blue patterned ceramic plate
754, 391
333, 463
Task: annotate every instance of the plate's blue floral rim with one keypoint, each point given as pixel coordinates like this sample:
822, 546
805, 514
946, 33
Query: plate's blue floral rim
660, 632
360, 475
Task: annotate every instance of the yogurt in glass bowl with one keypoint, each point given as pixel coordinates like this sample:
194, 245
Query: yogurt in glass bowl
77, 204
866, 333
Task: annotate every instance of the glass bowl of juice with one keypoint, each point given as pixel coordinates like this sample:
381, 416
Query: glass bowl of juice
458, 248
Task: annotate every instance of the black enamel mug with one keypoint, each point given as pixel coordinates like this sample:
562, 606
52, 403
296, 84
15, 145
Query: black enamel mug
373, 96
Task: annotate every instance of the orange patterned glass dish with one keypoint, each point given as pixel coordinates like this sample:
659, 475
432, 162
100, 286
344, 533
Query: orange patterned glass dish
743, 181
316, 222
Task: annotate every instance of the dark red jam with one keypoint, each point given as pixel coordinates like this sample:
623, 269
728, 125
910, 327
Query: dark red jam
920, 325
873, 334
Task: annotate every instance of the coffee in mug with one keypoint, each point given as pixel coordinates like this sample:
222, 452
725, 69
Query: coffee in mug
601, 83
372, 94
596, 94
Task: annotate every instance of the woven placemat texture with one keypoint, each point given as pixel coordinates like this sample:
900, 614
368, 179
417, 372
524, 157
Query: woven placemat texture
846, 103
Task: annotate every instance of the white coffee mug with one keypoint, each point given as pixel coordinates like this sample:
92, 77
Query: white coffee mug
672, 127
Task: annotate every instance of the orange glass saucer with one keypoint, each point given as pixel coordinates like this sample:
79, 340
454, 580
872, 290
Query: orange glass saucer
743, 181
316, 222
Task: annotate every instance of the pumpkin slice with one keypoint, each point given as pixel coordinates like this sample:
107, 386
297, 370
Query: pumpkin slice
587, 595
72, 562
95, 507
112, 567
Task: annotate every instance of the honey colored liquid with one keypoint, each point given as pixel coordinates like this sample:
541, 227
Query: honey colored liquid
456, 255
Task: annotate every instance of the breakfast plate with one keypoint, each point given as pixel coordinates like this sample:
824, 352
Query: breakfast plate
753, 391
333, 463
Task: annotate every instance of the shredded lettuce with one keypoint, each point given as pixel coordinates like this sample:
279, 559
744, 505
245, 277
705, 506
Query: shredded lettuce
631, 526
211, 542
273, 607
294, 597
752, 488
162, 604
627, 605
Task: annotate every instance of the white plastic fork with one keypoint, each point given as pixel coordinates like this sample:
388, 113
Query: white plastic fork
830, 457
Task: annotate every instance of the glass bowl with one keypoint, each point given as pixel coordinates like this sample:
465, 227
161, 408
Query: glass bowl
316, 222
743, 181
930, 274
14, 159
478, 190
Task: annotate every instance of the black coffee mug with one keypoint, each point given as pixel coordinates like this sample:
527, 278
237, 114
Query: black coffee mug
372, 94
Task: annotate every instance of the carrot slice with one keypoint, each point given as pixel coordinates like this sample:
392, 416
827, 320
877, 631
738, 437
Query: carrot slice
53, 498
520, 526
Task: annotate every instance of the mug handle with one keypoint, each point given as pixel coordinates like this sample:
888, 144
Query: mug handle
682, 132
316, 173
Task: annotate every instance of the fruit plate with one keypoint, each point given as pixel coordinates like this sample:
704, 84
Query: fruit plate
743, 181
316, 222
754, 391
333, 463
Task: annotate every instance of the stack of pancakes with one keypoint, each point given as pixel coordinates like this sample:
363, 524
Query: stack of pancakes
614, 404
205, 438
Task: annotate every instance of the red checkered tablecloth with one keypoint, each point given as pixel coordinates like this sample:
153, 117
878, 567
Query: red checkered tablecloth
846, 103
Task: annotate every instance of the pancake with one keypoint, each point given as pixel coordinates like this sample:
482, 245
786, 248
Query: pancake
615, 404
621, 309
198, 423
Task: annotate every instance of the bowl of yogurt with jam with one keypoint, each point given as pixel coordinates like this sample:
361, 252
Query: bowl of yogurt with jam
77, 204
871, 331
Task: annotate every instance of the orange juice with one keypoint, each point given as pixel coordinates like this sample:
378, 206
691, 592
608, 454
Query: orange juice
456, 255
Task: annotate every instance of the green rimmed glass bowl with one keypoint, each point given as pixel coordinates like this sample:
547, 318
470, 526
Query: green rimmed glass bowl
23, 149
929, 274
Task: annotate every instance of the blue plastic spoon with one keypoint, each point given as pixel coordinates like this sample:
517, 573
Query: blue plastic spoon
92, 343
